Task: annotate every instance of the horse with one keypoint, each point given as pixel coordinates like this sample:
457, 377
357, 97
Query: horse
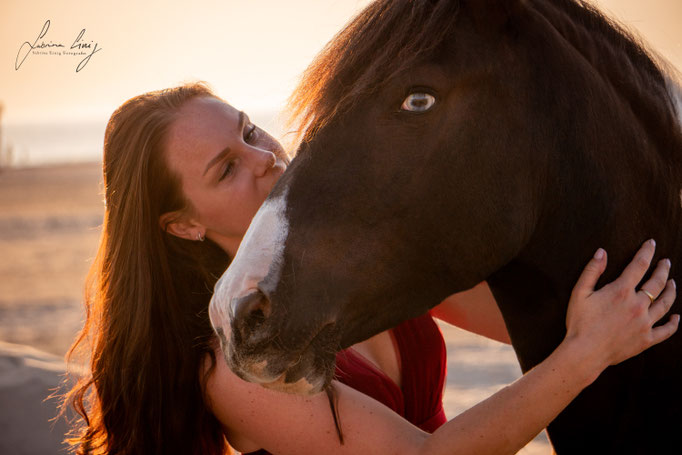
448, 142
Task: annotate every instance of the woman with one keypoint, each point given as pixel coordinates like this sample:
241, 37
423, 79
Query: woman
184, 173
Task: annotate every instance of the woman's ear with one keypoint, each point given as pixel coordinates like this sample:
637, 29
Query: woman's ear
179, 225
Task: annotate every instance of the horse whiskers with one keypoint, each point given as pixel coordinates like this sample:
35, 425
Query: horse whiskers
300, 357
333, 398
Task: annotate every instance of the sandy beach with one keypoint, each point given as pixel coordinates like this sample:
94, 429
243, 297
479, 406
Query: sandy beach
50, 221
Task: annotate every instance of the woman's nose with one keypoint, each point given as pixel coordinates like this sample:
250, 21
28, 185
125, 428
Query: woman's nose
262, 161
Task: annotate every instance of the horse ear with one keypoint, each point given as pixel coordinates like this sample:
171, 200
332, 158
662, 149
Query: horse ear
492, 15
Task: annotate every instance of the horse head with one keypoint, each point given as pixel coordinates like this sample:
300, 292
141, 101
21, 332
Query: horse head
449, 143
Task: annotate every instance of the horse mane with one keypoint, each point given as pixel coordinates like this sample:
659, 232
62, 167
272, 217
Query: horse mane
645, 81
389, 36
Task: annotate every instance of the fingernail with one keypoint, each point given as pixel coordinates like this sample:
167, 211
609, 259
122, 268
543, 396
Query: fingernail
652, 242
674, 284
599, 254
667, 262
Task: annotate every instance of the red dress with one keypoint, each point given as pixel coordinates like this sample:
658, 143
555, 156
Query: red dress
422, 357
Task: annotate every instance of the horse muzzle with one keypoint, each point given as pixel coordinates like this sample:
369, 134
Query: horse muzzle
251, 344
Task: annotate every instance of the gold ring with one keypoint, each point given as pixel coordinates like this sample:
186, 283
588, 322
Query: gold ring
648, 294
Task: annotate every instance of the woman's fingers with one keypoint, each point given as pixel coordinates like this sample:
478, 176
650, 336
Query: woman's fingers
635, 270
663, 303
657, 282
665, 331
591, 273
615, 321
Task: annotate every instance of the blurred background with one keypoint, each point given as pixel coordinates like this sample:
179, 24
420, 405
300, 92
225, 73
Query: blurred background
54, 105
251, 52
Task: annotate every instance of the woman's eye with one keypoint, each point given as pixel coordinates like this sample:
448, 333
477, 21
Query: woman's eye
228, 169
250, 133
418, 102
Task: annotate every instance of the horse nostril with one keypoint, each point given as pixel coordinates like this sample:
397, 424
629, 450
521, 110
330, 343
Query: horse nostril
252, 310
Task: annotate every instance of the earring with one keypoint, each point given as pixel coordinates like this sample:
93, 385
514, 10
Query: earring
200, 237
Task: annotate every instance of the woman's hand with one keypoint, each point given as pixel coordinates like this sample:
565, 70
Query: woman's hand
616, 322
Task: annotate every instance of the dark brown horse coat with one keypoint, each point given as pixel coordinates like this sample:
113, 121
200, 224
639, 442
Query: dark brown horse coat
537, 131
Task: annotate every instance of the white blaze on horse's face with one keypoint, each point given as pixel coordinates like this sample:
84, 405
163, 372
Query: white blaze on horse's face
259, 255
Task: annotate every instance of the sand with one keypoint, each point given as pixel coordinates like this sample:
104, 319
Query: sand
49, 228
27, 377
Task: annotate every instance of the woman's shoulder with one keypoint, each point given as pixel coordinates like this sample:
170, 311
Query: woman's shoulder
254, 417
221, 386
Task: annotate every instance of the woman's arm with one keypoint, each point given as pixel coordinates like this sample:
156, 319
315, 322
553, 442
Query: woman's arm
604, 328
474, 310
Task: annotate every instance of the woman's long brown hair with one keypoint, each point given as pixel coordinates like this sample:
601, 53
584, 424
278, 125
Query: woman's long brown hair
147, 331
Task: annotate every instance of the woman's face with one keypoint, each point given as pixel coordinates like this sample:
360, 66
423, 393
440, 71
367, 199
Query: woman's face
227, 167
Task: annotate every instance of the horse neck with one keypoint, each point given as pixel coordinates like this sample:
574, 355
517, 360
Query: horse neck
629, 202
617, 210
615, 171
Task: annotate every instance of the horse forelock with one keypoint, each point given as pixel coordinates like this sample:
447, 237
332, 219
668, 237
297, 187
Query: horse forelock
384, 39
390, 36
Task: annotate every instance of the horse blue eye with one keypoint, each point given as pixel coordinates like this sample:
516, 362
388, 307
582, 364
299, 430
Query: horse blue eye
418, 102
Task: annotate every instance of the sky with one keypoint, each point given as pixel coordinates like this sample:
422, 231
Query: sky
250, 51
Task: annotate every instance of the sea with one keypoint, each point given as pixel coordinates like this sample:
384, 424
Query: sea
60, 141
30, 144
